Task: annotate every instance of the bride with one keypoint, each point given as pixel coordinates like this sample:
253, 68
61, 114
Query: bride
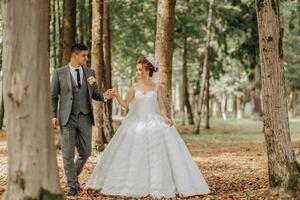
146, 156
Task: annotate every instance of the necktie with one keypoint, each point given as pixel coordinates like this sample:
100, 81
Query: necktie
78, 78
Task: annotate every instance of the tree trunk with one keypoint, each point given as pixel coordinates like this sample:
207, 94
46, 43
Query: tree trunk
32, 171
69, 29
282, 165
239, 108
107, 64
52, 35
97, 64
183, 86
207, 126
82, 21
90, 8
291, 101
224, 107
205, 71
185, 91
254, 81
55, 34
2, 107
189, 110
80, 26
256, 104
2, 93
58, 33
181, 107
164, 47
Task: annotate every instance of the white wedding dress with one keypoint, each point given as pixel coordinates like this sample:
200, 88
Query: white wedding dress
147, 157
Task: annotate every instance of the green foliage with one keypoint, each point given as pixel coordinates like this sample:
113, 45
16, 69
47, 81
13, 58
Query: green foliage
291, 21
234, 48
132, 34
83, 22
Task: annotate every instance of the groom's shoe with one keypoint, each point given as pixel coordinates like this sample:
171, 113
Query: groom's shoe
72, 192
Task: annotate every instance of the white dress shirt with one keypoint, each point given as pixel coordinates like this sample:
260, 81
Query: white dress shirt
74, 73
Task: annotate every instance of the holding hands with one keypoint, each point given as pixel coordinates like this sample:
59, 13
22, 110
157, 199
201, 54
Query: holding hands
168, 121
114, 93
111, 93
108, 94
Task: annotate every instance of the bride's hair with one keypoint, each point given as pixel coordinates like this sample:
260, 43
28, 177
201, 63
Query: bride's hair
147, 65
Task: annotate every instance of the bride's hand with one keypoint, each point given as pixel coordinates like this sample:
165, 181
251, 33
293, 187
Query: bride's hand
114, 92
169, 121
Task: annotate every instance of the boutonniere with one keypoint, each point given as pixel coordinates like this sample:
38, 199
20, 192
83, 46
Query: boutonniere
91, 80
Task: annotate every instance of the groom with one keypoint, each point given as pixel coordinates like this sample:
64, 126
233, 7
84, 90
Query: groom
73, 88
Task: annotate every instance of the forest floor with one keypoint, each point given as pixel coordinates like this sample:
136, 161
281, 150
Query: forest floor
231, 155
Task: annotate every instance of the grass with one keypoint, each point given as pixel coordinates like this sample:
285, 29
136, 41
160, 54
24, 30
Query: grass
234, 130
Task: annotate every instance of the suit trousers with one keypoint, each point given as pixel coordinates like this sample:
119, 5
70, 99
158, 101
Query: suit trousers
76, 133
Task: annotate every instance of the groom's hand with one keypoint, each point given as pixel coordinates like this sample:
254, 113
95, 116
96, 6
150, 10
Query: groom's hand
108, 94
55, 123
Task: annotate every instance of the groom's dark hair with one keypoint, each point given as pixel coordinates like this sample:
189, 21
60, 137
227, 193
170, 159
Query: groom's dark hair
78, 47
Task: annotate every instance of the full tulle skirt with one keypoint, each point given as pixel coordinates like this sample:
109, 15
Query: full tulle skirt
147, 157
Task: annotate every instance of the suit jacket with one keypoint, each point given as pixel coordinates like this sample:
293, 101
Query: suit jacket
62, 95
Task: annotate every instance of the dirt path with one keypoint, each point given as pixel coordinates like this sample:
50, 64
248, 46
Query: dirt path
233, 170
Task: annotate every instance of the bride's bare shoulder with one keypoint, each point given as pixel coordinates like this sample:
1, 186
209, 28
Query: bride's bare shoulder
133, 87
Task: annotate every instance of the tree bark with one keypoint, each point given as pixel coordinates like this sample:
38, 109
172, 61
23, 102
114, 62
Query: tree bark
32, 171
2, 93
256, 104
182, 102
81, 23
164, 47
52, 35
239, 108
282, 165
224, 107
69, 32
2, 108
185, 92
183, 86
205, 71
90, 8
97, 63
291, 102
58, 33
55, 34
107, 64
207, 125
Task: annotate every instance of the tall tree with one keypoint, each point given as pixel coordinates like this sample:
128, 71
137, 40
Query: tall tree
32, 171
2, 108
282, 165
205, 71
83, 21
164, 47
69, 30
97, 64
1, 53
185, 102
207, 101
108, 126
52, 46
59, 32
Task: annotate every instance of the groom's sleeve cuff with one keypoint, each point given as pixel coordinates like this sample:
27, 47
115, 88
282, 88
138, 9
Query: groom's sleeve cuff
105, 97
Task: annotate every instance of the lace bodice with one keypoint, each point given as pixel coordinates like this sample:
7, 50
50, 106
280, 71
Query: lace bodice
145, 103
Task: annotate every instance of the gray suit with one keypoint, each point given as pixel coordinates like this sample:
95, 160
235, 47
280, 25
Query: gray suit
74, 110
